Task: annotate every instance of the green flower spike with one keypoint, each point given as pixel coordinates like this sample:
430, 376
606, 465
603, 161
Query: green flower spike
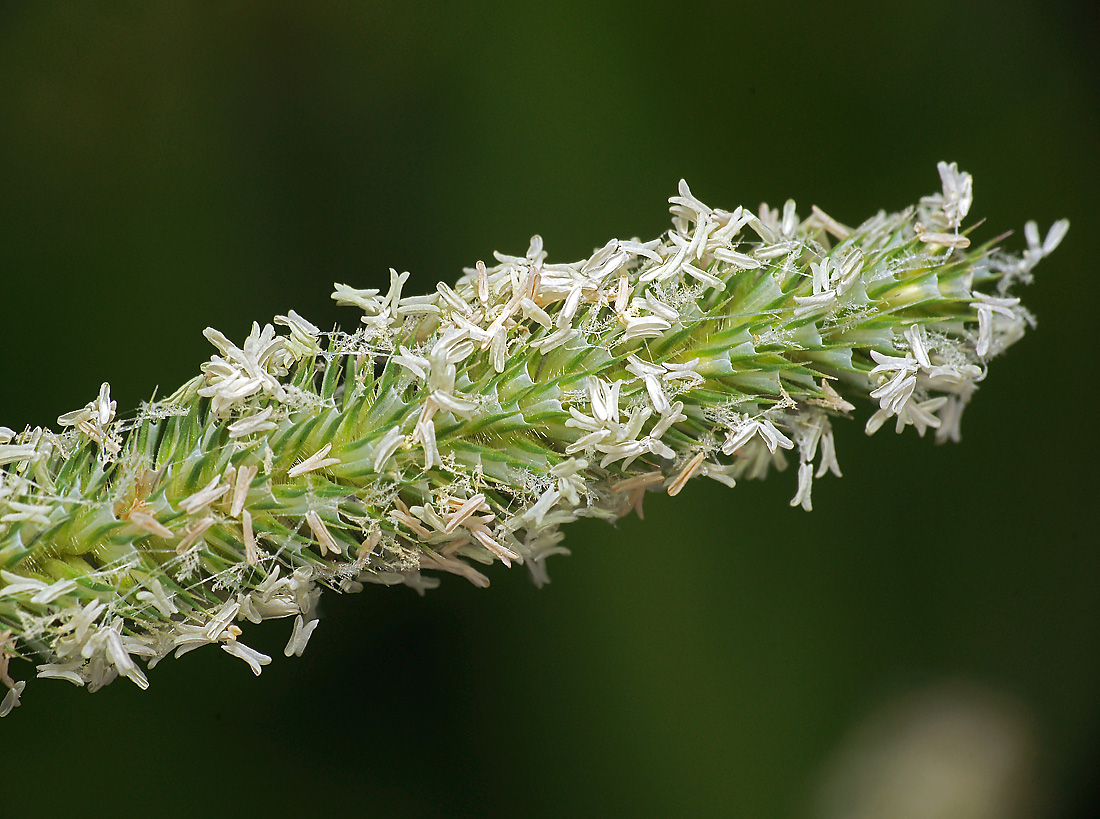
462, 428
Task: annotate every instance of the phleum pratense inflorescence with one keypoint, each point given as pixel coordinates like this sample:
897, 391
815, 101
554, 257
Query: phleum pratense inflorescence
462, 428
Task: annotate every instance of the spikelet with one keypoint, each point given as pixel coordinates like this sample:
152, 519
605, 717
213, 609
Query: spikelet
466, 426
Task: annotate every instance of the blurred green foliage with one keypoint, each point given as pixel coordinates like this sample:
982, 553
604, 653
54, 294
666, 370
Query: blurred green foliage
168, 166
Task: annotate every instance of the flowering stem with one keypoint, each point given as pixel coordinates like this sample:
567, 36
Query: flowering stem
466, 426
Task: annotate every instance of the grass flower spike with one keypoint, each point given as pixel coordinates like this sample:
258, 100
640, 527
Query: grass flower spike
463, 428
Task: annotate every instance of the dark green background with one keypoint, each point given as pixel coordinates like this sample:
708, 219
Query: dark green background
169, 166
